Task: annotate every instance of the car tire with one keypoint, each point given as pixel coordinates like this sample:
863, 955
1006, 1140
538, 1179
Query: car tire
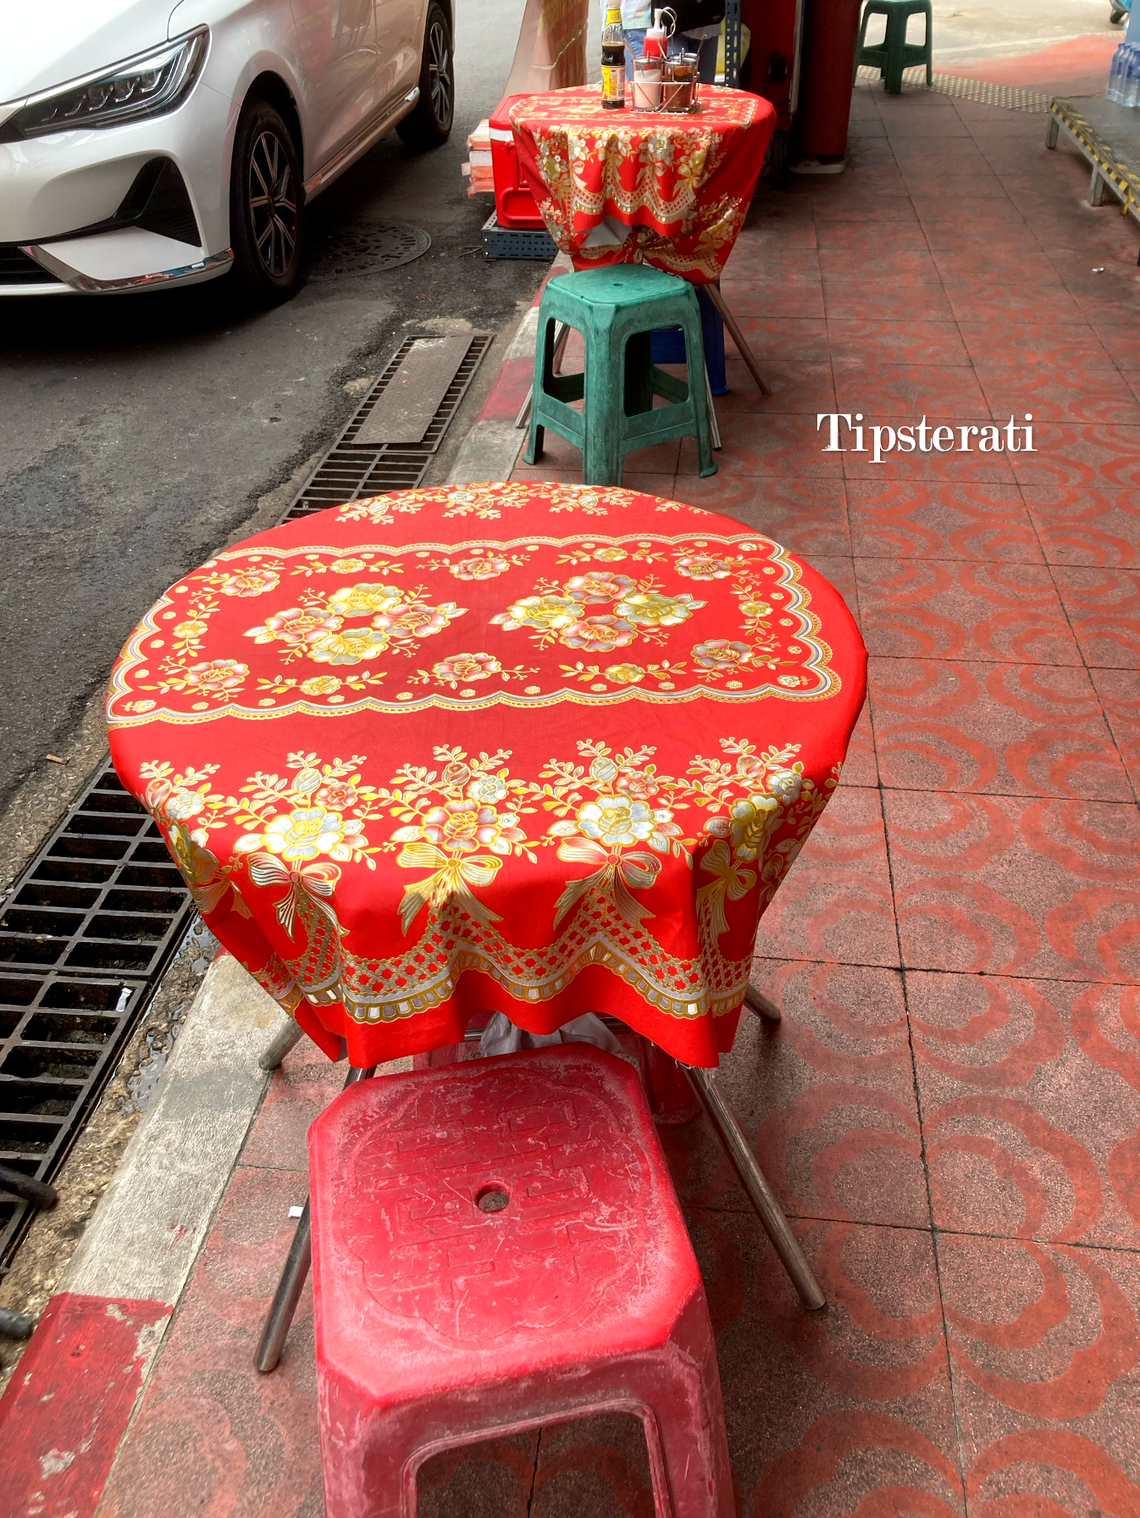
267, 207
429, 125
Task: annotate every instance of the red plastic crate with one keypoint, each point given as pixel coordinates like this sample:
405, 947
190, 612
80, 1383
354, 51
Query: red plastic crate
514, 204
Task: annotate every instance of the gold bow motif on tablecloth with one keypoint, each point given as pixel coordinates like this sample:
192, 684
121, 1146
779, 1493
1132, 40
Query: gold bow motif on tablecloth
731, 880
451, 880
309, 886
612, 876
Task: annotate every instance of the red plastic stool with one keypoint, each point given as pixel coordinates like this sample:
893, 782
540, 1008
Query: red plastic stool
445, 1315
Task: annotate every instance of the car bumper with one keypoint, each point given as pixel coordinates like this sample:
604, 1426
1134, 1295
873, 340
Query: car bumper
55, 186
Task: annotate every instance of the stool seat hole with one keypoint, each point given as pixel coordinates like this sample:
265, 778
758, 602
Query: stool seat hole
492, 1198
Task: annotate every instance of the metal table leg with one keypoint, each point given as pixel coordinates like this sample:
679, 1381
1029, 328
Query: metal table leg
289, 1037
746, 353
714, 425
764, 1008
755, 1183
292, 1281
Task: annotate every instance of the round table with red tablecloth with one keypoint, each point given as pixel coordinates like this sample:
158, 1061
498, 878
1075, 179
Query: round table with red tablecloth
533, 748
682, 183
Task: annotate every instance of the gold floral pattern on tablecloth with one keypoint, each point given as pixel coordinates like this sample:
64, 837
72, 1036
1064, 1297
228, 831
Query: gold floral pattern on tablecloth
682, 184
734, 823
590, 619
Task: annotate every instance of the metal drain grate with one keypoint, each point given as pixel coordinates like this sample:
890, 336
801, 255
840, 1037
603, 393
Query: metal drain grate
351, 471
367, 247
1009, 97
85, 935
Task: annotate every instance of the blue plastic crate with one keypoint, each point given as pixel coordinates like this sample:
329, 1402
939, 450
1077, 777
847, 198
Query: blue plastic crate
669, 344
514, 242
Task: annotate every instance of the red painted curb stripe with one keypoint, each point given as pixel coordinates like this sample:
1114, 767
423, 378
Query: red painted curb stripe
508, 390
69, 1403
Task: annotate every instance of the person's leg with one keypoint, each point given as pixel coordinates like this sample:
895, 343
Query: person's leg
634, 45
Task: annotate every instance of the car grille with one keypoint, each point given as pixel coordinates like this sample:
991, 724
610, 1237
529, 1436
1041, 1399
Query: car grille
16, 268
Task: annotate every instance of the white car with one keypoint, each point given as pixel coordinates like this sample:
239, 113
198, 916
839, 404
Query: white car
148, 143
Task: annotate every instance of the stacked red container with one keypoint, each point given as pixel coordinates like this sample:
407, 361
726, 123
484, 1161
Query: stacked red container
514, 204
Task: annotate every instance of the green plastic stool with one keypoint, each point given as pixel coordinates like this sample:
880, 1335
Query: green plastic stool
616, 309
894, 54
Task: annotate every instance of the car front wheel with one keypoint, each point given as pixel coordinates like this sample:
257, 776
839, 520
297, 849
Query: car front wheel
429, 124
267, 212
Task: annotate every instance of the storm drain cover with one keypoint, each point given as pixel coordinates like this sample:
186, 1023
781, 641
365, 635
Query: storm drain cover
368, 247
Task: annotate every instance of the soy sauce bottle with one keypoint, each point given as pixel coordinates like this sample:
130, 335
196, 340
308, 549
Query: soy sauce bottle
613, 61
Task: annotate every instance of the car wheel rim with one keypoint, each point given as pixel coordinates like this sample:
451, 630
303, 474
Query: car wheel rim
439, 72
272, 204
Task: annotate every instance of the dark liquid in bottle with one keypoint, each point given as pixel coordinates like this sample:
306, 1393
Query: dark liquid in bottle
613, 61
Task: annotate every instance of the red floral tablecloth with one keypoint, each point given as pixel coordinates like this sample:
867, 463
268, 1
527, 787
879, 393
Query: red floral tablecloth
542, 749
683, 183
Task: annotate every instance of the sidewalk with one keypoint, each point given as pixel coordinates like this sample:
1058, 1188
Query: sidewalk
951, 1107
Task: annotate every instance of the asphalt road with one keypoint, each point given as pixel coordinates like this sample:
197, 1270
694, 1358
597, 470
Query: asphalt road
138, 433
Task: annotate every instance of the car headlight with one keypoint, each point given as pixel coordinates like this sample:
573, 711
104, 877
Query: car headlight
150, 84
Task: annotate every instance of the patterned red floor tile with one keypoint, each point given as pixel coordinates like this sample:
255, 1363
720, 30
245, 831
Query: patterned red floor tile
1048, 1469
860, 766
926, 608
1009, 886
774, 296
1029, 730
827, 1098
903, 519
809, 516
300, 1091
879, 263
597, 1466
491, 1479
1013, 351
1081, 526
841, 1412
1119, 692
852, 239
933, 123
905, 342
795, 387
1067, 396
850, 298
1120, 340
971, 468
1094, 455
891, 211
1044, 1346
1018, 303
892, 392
1104, 607
1030, 1106
835, 902
795, 339
782, 444
559, 454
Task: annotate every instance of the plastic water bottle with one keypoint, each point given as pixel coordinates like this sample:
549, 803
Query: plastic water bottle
1115, 90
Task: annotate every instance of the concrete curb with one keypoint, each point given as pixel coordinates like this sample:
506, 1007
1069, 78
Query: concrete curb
491, 449
70, 1402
